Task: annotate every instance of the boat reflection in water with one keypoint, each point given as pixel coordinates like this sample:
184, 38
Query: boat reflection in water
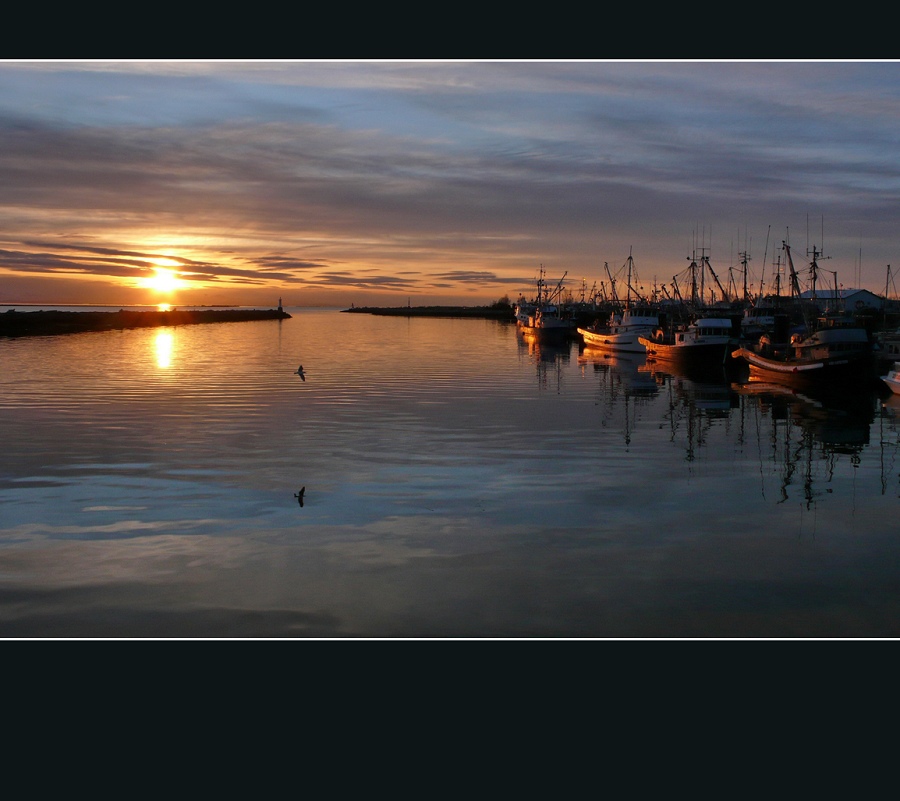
625, 383
548, 355
891, 406
810, 432
626, 371
700, 398
802, 438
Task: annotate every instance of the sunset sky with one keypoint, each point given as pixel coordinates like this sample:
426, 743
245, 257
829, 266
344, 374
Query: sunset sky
376, 182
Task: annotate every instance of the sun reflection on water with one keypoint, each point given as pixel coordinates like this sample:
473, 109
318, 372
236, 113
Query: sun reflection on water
164, 344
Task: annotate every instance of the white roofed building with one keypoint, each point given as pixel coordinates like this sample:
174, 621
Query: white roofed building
849, 300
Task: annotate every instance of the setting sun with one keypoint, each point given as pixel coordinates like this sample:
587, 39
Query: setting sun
163, 280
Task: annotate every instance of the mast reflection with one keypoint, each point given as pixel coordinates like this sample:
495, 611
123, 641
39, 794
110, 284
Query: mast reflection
699, 399
809, 433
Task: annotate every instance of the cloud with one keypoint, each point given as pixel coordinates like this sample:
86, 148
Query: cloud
345, 174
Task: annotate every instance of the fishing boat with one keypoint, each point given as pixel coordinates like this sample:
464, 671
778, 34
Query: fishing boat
892, 379
620, 332
888, 346
704, 341
837, 349
522, 310
757, 321
542, 318
834, 351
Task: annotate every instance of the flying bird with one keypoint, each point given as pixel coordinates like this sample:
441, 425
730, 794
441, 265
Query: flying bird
299, 495
301, 373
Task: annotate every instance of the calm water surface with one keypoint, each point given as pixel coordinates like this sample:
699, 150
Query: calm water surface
460, 482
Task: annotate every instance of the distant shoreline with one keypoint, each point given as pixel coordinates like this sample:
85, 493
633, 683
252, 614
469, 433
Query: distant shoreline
51, 323
478, 312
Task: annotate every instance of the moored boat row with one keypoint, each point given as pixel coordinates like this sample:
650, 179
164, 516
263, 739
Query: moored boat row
782, 339
788, 339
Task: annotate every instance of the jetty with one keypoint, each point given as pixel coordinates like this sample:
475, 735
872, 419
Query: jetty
14, 323
495, 312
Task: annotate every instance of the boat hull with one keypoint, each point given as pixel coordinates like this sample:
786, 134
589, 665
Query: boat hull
702, 353
546, 333
805, 371
616, 343
705, 341
892, 379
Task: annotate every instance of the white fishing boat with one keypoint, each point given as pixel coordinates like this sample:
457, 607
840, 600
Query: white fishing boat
621, 331
892, 379
522, 310
542, 317
546, 321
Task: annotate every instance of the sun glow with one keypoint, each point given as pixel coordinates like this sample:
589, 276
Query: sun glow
163, 280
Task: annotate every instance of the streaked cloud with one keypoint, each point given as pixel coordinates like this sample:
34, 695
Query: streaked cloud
440, 180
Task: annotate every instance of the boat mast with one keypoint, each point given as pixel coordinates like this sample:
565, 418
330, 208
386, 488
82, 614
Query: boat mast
677, 291
795, 282
814, 272
745, 258
884, 305
716, 278
702, 271
778, 279
612, 284
556, 295
693, 269
762, 278
628, 293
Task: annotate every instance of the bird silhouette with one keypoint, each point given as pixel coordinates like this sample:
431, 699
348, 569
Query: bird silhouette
299, 495
301, 373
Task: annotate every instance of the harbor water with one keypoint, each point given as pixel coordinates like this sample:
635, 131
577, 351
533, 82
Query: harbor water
459, 481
